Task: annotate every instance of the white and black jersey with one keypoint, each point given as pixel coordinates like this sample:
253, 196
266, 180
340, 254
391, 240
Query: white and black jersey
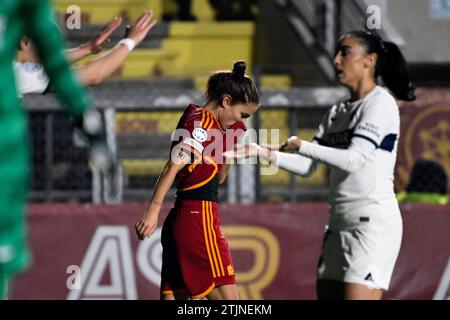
31, 78
358, 141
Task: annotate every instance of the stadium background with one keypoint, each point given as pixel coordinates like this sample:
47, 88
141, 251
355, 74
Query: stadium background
274, 223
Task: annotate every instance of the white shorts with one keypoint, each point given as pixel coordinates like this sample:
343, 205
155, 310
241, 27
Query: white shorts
364, 254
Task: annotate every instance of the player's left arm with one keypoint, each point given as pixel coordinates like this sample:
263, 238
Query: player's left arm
147, 224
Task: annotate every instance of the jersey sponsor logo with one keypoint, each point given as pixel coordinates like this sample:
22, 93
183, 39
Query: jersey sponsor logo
340, 139
195, 144
200, 134
370, 128
31, 67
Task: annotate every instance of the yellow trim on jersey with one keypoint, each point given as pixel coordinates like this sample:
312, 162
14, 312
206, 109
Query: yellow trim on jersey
213, 120
193, 165
206, 239
190, 148
209, 203
166, 292
203, 118
211, 239
198, 185
208, 115
210, 126
201, 295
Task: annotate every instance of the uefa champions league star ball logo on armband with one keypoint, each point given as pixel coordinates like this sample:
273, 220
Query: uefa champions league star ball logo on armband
200, 135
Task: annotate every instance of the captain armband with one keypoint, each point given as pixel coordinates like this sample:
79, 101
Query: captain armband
180, 154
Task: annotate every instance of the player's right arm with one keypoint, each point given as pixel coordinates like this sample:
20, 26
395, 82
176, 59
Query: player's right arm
99, 69
147, 224
96, 44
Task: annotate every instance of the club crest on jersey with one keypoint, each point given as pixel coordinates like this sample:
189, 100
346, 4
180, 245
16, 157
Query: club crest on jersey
199, 134
31, 67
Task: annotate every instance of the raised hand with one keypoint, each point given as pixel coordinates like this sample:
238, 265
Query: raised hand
103, 38
143, 24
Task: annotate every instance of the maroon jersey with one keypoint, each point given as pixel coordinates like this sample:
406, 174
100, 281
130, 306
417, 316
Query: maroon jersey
201, 134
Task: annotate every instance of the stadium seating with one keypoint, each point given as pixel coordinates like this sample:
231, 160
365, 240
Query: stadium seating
191, 49
102, 11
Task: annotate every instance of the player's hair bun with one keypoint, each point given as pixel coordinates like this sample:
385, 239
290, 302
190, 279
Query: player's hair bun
239, 69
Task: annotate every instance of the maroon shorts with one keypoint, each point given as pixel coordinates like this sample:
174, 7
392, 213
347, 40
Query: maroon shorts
196, 256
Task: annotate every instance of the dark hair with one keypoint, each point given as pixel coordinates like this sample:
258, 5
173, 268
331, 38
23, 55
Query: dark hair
428, 176
235, 83
391, 65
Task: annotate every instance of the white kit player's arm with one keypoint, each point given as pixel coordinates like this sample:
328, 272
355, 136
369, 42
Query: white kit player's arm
377, 119
349, 160
299, 164
295, 163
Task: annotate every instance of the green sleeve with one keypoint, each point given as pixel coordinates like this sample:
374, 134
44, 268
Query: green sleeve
50, 46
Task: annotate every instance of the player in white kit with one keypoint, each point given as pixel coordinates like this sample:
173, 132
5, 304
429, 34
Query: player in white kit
357, 139
30, 74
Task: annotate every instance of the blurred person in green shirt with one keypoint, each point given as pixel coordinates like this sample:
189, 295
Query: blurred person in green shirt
34, 18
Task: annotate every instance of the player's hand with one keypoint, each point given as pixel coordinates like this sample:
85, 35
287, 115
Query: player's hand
291, 144
146, 225
243, 151
99, 42
271, 147
143, 24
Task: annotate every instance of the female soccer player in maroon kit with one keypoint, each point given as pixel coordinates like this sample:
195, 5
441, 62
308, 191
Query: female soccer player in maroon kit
196, 259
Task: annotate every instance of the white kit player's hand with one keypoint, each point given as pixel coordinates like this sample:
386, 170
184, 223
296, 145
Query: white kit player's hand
291, 144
